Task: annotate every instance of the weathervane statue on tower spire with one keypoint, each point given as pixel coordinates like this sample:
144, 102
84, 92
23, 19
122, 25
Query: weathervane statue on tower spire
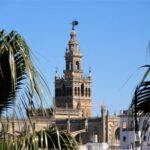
74, 23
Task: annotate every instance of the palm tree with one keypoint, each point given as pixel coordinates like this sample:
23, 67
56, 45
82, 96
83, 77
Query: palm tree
22, 88
140, 108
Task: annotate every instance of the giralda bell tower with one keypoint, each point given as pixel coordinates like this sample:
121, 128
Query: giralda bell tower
74, 90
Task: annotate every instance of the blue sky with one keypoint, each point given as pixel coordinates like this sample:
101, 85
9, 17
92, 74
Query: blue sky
112, 34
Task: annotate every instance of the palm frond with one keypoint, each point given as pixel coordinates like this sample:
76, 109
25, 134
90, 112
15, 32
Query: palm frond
18, 76
22, 92
139, 109
44, 139
141, 100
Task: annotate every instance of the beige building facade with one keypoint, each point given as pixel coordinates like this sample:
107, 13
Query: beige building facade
73, 103
102, 129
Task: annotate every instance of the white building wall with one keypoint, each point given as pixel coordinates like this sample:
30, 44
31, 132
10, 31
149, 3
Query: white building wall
128, 138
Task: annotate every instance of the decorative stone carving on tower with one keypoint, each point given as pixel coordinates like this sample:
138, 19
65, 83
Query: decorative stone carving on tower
74, 89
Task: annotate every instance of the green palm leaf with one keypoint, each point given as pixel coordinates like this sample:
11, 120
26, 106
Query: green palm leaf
44, 139
140, 107
18, 76
22, 94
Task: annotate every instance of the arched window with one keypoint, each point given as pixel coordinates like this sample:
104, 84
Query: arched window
59, 92
63, 90
86, 92
70, 91
89, 92
124, 138
68, 65
82, 89
78, 91
117, 134
77, 66
75, 91
83, 112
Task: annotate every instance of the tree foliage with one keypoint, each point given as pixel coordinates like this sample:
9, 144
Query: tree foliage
22, 88
139, 110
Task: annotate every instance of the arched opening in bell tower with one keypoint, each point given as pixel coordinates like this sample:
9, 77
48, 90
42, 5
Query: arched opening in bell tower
63, 90
78, 91
75, 91
82, 89
77, 66
86, 92
68, 65
89, 92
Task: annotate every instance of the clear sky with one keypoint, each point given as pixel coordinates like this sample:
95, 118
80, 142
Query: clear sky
113, 36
